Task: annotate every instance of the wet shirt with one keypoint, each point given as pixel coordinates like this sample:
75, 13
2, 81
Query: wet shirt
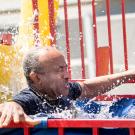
33, 103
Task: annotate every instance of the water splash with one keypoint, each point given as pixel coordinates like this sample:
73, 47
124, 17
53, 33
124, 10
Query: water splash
78, 113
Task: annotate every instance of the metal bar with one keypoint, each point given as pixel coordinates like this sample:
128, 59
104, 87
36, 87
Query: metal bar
20, 125
111, 97
124, 34
131, 131
26, 131
86, 123
80, 123
51, 21
109, 34
60, 131
94, 131
36, 22
95, 34
67, 38
81, 39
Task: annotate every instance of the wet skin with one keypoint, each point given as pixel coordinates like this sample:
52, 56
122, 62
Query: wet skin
53, 80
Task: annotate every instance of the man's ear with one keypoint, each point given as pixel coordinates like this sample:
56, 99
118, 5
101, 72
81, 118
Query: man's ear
34, 77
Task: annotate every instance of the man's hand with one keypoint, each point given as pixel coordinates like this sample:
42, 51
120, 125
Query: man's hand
13, 111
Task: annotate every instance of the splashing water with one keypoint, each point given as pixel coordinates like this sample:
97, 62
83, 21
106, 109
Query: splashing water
78, 113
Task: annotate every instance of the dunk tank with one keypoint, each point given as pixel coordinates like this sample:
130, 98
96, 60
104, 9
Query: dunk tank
95, 42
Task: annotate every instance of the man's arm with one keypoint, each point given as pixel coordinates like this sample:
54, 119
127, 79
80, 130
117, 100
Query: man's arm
100, 85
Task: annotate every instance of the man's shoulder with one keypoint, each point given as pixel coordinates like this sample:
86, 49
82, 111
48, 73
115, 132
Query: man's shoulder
26, 96
28, 100
25, 91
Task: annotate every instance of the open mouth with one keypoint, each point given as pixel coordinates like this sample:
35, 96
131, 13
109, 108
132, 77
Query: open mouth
67, 85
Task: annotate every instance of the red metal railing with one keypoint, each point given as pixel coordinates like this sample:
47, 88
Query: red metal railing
36, 22
110, 44
95, 34
51, 21
62, 124
94, 17
81, 33
124, 34
81, 39
109, 35
67, 38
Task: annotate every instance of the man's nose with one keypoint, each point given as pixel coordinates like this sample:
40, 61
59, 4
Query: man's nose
66, 75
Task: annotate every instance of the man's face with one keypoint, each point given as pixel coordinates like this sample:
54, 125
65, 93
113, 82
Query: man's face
54, 79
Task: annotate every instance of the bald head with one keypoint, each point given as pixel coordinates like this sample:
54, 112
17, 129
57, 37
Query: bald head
35, 58
48, 54
46, 71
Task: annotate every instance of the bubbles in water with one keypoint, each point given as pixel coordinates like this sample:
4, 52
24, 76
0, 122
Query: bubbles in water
118, 81
5, 93
76, 112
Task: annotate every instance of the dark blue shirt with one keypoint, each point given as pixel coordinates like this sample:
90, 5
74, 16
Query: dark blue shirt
33, 103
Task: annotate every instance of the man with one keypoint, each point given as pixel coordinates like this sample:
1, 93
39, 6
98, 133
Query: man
49, 90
